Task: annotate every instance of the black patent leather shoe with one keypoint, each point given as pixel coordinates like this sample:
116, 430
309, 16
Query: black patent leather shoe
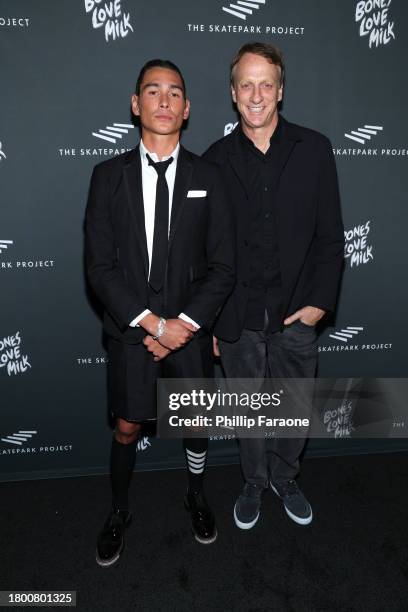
202, 519
111, 539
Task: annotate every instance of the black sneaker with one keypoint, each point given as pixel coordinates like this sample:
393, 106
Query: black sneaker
111, 539
202, 519
295, 503
248, 505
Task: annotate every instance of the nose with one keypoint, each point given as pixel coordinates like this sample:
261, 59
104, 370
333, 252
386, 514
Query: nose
164, 101
256, 94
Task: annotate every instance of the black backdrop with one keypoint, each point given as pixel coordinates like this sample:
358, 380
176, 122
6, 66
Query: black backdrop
67, 72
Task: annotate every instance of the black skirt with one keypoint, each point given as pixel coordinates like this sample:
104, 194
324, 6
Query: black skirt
133, 374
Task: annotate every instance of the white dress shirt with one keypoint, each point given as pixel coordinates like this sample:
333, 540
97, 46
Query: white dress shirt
149, 181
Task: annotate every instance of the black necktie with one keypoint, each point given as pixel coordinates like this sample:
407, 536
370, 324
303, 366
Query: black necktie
161, 225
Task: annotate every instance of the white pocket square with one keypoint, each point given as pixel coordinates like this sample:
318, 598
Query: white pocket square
196, 193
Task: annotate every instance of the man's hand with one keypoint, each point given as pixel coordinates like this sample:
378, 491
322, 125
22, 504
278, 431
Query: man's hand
158, 351
216, 348
177, 334
309, 315
150, 323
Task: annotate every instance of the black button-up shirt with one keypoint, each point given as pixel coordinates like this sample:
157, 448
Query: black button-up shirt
265, 279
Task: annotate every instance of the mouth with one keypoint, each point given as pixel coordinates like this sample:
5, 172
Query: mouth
164, 117
256, 109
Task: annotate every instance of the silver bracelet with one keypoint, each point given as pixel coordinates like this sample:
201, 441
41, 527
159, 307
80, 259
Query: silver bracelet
161, 328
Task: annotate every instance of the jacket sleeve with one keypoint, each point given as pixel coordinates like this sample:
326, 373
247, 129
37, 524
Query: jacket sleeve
102, 266
329, 234
213, 290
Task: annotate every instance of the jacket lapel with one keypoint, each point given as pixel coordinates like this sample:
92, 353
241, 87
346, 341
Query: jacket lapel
237, 160
183, 178
289, 137
133, 180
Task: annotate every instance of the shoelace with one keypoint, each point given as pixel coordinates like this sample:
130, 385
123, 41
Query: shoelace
288, 488
253, 490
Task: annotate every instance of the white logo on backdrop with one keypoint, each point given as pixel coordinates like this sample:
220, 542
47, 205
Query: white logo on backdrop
245, 12
356, 249
345, 334
143, 444
19, 437
374, 21
113, 132
229, 127
11, 357
109, 15
243, 8
364, 133
367, 148
2, 153
346, 337
4, 244
14, 22
339, 421
16, 444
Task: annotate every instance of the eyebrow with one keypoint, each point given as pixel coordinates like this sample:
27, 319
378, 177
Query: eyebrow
154, 84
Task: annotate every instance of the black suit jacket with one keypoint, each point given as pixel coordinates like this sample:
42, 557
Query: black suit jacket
308, 219
200, 265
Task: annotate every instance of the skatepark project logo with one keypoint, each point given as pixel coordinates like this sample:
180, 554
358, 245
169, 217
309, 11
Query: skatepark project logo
11, 358
363, 136
112, 133
2, 153
19, 437
22, 264
346, 338
241, 11
14, 22
110, 17
344, 335
357, 251
365, 133
17, 443
229, 127
4, 244
374, 20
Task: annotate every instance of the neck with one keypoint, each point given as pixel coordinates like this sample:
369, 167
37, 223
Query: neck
260, 136
161, 144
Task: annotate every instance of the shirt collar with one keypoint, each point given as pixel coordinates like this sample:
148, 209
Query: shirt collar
274, 139
144, 151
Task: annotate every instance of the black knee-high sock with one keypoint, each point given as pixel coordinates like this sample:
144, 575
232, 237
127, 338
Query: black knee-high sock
196, 455
122, 464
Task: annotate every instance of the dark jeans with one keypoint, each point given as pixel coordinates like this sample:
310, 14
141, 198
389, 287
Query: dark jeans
291, 353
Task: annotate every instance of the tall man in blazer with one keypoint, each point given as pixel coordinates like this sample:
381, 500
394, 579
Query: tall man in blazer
159, 253
281, 180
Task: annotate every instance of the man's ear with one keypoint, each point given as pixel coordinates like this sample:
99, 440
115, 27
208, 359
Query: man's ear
135, 105
186, 112
280, 93
233, 94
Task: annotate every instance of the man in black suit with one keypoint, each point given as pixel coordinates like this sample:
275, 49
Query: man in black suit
281, 180
159, 253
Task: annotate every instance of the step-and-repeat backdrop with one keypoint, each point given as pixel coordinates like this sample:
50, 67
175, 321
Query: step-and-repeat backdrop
67, 73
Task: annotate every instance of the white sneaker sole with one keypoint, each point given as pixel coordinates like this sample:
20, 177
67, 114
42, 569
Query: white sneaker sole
103, 563
294, 517
244, 525
208, 540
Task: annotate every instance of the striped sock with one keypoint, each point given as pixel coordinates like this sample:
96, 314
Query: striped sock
196, 456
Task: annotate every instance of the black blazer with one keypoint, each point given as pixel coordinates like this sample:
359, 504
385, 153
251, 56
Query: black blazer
308, 218
200, 266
